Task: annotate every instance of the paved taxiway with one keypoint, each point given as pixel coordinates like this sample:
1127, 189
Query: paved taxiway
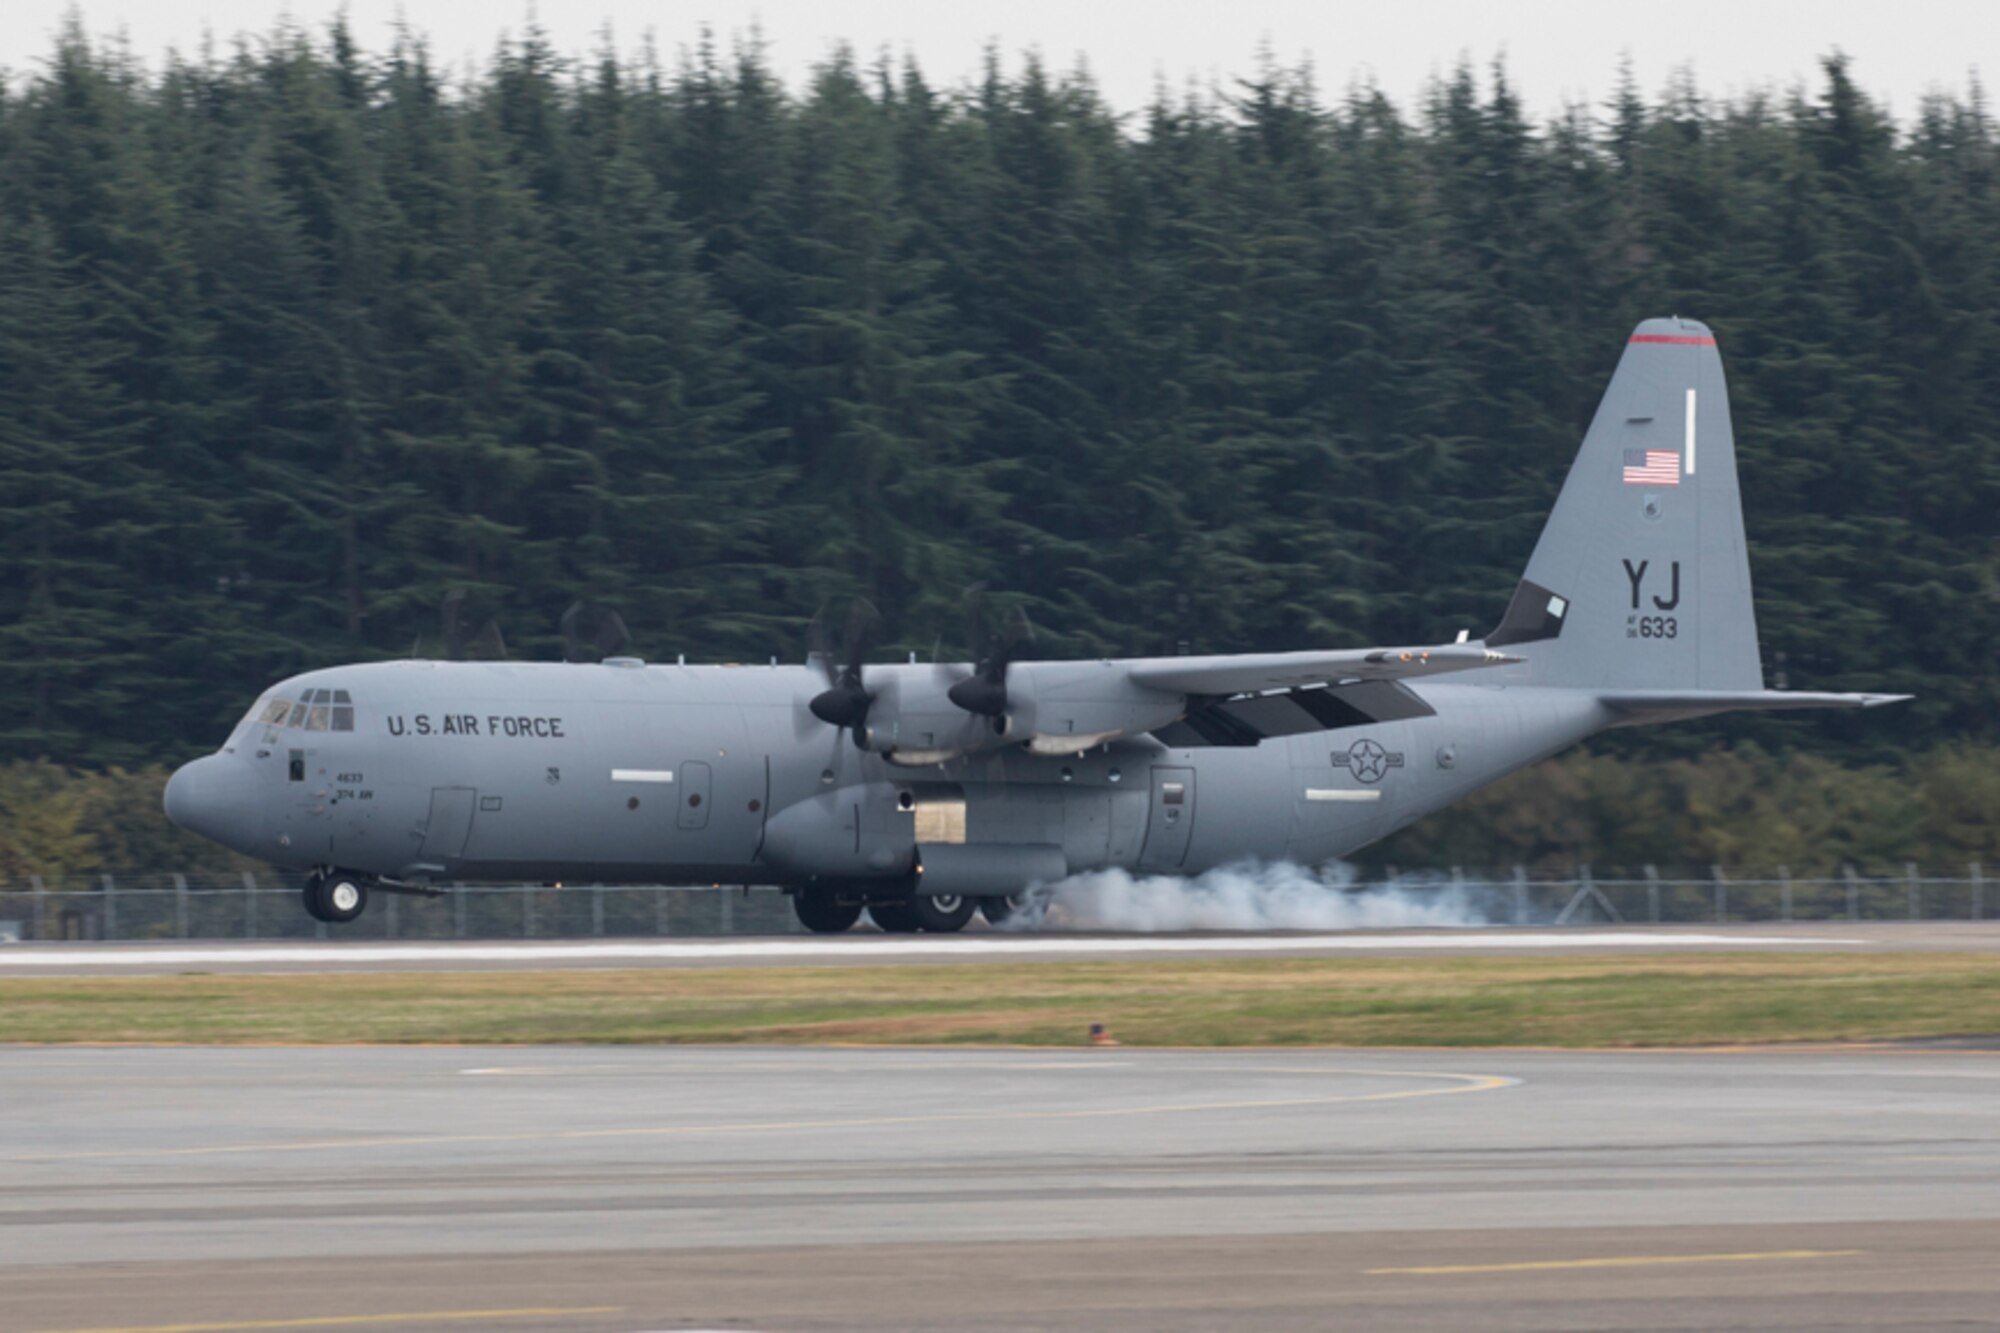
870, 948
642, 1188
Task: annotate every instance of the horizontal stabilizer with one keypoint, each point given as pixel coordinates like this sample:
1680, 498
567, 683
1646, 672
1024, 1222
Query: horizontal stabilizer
1254, 673
1693, 703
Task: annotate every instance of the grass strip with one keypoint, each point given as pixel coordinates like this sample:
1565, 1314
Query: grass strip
1699, 999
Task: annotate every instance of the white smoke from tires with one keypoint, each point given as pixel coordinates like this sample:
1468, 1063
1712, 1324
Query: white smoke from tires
1277, 896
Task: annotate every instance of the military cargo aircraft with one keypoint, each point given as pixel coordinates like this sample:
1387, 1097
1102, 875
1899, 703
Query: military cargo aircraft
923, 793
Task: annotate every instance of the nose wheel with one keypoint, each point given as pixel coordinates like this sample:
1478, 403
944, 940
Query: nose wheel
335, 897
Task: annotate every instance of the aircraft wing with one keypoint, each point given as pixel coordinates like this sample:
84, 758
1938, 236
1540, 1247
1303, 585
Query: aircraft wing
1256, 673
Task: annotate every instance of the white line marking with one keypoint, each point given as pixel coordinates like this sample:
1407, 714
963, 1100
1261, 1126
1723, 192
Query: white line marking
642, 775
861, 949
654, 1067
1460, 1083
1342, 794
1690, 433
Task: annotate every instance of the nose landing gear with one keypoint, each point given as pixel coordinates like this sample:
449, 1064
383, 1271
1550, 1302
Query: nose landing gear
335, 896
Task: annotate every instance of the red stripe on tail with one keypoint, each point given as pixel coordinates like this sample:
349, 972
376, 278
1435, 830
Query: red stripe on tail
1683, 340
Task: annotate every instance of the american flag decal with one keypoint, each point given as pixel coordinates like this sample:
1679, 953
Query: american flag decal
1652, 467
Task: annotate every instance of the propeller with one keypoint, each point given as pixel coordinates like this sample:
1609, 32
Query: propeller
592, 633
485, 644
985, 691
844, 702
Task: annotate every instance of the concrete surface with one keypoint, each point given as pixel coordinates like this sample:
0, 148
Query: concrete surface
870, 948
643, 1188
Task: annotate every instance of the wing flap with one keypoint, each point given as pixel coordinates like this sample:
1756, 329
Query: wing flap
1249, 719
1256, 673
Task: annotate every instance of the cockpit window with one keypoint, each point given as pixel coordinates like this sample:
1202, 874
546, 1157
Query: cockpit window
315, 710
265, 712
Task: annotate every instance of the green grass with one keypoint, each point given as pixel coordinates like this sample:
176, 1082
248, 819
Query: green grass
1685, 1000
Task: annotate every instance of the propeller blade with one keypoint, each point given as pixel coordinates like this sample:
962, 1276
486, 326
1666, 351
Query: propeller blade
985, 691
862, 617
818, 649
592, 633
571, 626
487, 645
973, 600
1017, 633
451, 624
612, 635
844, 703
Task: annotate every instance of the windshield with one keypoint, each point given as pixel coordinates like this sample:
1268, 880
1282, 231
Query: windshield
312, 710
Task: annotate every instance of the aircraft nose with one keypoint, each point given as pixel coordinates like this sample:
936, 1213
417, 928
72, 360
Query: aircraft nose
215, 797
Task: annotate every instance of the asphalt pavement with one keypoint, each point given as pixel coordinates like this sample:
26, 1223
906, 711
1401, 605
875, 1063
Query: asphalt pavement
871, 948
647, 1188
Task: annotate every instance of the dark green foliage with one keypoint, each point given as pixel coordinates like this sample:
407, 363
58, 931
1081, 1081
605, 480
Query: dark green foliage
295, 340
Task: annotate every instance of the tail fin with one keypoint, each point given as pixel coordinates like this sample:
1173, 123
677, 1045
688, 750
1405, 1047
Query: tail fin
1640, 579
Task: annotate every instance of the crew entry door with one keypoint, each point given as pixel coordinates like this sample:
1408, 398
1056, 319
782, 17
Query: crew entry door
449, 823
1171, 819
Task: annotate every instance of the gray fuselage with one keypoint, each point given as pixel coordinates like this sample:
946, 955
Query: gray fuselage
717, 774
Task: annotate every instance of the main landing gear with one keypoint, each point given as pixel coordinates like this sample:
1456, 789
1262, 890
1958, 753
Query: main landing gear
999, 910
335, 896
821, 911
828, 910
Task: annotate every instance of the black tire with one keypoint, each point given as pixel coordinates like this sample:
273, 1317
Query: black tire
896, 918
943, 913
819, 911
342, 898
315, 884
1001, 909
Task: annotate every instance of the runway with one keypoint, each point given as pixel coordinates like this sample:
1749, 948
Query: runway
869, 948
646, 1188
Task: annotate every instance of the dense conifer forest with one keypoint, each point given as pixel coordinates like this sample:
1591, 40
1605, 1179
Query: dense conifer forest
297, 338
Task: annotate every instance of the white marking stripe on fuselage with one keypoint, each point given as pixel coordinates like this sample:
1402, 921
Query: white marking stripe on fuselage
642, 775
1690, 433
856, 949
1342, 794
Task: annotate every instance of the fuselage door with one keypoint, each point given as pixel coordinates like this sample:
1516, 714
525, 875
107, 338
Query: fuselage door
305, 825
694, 795
1171, 819
450, 822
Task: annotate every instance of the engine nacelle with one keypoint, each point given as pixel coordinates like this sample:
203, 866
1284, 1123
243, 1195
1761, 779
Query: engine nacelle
913, 721
1052, 707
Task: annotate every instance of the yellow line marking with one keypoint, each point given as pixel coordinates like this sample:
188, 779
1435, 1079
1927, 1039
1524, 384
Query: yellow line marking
1464, 1083
1630, 1261
355, 1320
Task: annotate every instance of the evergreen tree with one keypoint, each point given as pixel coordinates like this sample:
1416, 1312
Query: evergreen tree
296, 340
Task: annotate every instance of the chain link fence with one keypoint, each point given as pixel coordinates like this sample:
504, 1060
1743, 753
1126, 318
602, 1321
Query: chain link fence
268, 907
1584, 897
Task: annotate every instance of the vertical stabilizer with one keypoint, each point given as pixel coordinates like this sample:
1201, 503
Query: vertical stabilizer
1641, 579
